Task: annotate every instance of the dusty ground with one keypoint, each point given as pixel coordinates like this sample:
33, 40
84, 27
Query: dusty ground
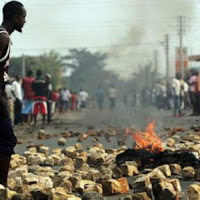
78, 121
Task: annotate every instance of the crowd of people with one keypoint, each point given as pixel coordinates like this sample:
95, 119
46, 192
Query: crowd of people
178, 95
30, 96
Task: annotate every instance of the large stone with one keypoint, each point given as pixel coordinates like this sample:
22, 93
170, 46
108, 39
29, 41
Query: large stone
111, 187
36, 159
67, 185
164, 190
58, 193
170, 142
165, 169
188, 172
79, 162
94, 175
42, 135
194, 192
96, 158
116, 172
142, 184
40, 194
106, 173
175, 169
44, 150
61, 141
129, 170
74, 180
84, 186
124, 185
17, 161
10, 194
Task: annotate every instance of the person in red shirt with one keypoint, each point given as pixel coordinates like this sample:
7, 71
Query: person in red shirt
73, 100
28, 96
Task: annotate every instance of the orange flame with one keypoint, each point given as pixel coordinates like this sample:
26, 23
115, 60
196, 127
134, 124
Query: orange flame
147, 140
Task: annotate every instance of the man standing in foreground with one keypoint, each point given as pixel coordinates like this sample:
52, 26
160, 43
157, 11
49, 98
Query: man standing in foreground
14, 15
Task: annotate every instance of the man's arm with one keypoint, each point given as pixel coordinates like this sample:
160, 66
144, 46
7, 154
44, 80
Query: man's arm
4, 41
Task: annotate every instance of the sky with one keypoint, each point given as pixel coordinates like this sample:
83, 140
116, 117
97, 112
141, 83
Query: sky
128, 30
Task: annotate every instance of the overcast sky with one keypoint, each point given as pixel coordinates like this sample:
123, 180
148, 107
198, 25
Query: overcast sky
129, 30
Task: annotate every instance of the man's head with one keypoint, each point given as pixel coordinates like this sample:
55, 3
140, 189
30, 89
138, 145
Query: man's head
38, 73
15, 13
47, 77
29, 73
17, 77
178, 76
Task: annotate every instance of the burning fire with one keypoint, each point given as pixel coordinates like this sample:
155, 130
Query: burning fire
147, 140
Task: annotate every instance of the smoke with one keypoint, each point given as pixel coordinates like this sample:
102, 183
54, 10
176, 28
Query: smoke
151, 20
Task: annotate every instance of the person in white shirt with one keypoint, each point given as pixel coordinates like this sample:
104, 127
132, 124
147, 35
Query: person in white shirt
112, 93
65, 97
17, 94
176, 94
83, 95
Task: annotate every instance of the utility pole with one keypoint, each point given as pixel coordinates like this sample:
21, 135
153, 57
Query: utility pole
167, 56
23, 66
181, 45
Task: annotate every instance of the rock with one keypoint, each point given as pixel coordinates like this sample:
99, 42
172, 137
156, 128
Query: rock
96, 159
156, 173
176, 184
67, 185
40, 194
124, 185
84, 186
79, 162
188, 172
57, 151
175, 169
66, 168
94, 175
165, 169
142, 184
44, 150
129, 170
58, 193
197, 174
2, 192
113, 186
42, 135
193, 192
61, 141
49, 161
57, 158
10, 194
106, 173
92, 196
170, 142
74, 180
140, 196
36, 159
116, 172
164, 190
17, 160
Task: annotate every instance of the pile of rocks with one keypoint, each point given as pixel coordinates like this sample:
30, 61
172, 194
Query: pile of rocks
72, 173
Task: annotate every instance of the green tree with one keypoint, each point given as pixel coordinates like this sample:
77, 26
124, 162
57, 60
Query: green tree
87, 68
